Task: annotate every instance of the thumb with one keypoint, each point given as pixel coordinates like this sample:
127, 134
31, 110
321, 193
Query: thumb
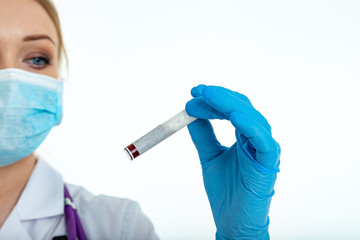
203, 136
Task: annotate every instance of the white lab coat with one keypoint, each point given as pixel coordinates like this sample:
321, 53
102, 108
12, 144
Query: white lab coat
39, 213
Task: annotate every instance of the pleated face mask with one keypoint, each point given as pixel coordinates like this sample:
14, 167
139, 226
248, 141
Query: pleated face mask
30, 106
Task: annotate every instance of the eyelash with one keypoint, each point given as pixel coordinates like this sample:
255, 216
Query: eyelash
44, 59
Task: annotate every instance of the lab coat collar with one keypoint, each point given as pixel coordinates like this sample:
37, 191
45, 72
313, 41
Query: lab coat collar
43, 195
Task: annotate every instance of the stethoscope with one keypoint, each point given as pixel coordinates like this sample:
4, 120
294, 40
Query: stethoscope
74, 226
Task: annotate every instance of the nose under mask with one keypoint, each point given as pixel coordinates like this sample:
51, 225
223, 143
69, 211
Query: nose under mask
30, 106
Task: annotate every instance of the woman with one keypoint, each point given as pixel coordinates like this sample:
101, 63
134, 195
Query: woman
238, 180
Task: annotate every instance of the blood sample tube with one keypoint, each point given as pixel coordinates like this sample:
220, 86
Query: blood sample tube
158, 134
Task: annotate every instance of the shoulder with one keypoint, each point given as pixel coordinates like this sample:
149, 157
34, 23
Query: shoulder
106, 217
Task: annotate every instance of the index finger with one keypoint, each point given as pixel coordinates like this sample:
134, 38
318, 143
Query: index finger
227, 101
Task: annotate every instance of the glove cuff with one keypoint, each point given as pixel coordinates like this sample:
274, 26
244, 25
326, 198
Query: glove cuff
263, 235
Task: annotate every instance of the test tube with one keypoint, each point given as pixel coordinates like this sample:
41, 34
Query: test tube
158, 134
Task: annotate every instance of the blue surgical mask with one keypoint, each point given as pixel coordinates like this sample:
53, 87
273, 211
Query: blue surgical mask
30, 105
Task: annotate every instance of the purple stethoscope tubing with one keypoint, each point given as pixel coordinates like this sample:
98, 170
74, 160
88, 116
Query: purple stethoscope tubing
74, 226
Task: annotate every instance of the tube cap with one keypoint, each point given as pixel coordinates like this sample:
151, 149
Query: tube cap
131, 152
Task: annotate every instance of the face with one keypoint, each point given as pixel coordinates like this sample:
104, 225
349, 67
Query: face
28, 38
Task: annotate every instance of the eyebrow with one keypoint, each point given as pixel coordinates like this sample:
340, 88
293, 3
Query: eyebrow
37, 37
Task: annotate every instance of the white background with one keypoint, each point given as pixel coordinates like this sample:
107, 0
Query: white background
133, 63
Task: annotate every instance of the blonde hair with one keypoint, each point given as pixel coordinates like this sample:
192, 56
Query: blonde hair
50, 8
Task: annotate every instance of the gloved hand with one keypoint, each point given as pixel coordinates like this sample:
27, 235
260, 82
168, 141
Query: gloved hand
239, 180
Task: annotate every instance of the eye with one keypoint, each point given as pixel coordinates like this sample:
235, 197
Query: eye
38, 62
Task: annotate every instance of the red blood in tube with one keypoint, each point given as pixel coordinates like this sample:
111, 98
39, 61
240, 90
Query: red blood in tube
133, 150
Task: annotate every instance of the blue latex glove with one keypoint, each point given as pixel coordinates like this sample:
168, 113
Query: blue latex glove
239, 180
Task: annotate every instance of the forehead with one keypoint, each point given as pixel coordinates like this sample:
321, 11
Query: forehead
19, 18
